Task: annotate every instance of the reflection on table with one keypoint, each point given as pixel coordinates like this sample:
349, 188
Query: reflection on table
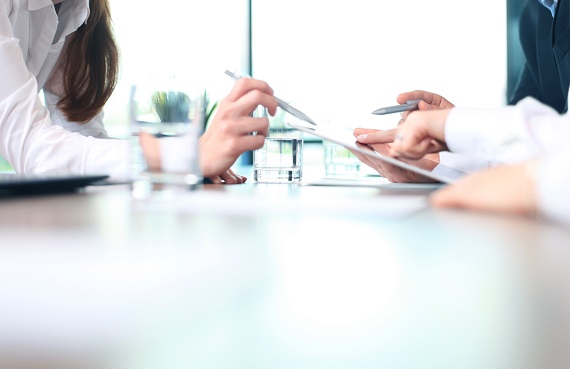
278, 276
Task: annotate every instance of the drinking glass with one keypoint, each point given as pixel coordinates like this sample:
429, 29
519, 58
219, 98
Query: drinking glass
339, 161
167, 119
281, 157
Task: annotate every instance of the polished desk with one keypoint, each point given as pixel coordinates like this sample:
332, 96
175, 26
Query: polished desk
278, 276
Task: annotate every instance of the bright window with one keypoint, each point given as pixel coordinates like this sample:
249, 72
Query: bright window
195, 39
335, 60
338, 61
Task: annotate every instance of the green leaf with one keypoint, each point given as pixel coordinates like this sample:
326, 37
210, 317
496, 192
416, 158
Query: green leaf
171, 106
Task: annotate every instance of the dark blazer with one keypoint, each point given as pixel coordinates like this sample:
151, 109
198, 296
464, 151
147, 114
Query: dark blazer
546, 44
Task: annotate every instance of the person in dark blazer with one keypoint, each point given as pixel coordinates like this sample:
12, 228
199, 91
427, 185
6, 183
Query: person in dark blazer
544, 31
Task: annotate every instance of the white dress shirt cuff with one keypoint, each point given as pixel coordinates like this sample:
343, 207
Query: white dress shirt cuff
480, 132
108, 156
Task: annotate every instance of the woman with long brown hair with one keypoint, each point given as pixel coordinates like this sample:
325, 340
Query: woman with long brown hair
66, 48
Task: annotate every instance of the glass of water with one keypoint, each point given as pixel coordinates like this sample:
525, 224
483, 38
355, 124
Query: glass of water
281, 157
167, 119
339, 161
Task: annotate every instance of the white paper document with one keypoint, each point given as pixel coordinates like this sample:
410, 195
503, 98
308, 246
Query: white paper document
375, 182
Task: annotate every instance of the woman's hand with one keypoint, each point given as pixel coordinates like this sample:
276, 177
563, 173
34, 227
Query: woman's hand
228, 177
422, 134
418, 141
380, 141
230, 133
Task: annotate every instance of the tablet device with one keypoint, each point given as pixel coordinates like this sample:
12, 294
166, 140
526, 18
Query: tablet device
12, 183
344, 136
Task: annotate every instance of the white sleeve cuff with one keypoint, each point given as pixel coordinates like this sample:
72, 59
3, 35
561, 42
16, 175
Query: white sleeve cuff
479, 131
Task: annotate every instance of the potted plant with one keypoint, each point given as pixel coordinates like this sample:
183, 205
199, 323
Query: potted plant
174, 106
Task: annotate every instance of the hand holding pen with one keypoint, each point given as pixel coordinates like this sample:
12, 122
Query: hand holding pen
408, 106
416, 100
410, 101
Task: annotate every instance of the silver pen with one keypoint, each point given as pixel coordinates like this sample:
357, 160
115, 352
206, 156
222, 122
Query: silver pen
409, 105
282, 104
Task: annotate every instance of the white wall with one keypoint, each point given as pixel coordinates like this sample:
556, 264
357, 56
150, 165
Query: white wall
197, 39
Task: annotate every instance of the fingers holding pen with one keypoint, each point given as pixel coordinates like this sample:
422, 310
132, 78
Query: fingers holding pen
246, 95
423, 132
415, 95
244, 85
429, 100
250, 100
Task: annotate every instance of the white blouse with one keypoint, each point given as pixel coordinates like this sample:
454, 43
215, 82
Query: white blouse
35, 138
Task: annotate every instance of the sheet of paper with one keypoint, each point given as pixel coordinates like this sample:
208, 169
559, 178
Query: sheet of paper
376, 182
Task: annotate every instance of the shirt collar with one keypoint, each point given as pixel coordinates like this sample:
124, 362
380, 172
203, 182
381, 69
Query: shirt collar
80, 9
550, 5
38, 4
81, 6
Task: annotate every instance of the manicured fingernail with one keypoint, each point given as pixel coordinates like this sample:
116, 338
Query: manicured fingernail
362, 137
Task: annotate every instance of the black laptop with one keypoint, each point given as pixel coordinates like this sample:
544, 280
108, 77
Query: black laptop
12, 183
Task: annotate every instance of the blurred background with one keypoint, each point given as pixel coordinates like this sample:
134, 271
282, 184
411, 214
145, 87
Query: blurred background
337, 61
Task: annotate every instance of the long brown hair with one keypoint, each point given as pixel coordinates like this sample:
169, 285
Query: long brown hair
90, 65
